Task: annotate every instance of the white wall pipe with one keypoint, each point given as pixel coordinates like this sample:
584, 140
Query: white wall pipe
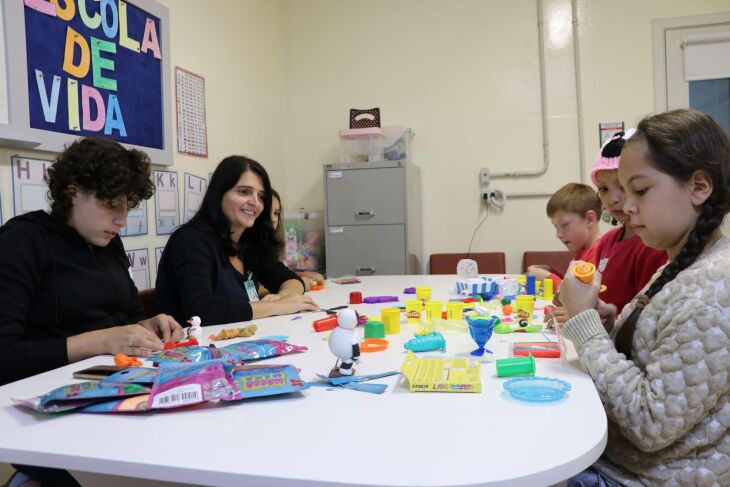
578, 90
543, 105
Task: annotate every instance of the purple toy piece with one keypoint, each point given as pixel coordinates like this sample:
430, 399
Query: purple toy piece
380, 299
409, 290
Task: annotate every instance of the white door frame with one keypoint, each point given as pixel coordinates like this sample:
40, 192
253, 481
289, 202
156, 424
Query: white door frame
661, 27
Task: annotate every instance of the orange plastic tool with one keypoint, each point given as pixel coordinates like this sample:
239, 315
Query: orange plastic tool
585, 271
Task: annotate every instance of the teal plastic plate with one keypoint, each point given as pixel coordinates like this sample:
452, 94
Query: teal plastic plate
536, 389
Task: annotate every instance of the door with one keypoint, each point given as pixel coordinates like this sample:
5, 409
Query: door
692, 65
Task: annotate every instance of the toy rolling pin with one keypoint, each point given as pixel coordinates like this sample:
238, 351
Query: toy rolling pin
585, 271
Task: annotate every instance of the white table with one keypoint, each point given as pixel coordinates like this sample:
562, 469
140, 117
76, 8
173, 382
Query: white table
321, 437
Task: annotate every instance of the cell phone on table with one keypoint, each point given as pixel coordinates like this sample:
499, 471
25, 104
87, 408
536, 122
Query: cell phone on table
97, 372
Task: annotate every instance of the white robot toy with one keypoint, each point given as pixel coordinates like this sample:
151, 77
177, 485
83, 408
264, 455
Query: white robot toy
343, 343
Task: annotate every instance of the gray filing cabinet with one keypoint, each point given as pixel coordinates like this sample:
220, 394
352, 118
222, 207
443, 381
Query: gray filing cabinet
373, 218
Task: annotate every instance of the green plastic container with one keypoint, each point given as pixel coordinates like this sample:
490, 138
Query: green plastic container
510, 367
374, 329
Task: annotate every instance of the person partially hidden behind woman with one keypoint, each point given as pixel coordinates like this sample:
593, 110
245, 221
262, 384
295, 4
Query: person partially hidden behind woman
214, 265
65, 289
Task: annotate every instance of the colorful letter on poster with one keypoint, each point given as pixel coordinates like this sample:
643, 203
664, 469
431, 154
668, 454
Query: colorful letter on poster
139, 268
166, 202
136, 221
194, 191
95, 68
29, 186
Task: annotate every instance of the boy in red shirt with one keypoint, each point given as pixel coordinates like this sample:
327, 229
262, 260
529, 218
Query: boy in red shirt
573, 210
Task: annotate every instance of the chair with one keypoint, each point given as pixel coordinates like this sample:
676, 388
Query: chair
488, 262
148, 302
557, 260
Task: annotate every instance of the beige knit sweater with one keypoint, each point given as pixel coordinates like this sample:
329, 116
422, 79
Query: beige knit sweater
668, 411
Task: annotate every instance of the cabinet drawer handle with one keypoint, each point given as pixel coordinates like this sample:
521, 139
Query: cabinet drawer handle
364, 214
360, 270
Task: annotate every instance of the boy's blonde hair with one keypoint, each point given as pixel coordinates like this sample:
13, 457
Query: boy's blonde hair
574, 198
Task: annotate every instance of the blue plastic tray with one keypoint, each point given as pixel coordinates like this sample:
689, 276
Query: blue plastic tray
536, 389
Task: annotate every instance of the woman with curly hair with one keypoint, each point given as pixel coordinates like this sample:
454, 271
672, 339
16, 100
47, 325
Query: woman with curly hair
215, 265
65, 289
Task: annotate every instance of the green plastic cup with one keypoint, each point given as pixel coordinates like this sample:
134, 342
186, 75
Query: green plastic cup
510, 367
374, 329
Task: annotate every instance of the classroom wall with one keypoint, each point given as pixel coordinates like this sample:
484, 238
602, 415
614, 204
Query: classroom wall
282, 75
464, 76
239, 51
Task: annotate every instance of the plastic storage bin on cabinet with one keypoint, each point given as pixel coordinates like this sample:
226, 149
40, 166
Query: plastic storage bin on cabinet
361, 145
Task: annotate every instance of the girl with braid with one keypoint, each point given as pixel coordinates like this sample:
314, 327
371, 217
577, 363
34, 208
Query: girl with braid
664, 374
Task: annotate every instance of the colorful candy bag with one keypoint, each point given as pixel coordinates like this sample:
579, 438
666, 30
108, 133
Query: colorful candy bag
136, 375
125, 405
235, 353
267, 380
259, 349
75, 396
191, 383
189, 354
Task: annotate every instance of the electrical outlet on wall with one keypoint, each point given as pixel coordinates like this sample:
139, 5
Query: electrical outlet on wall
484, 176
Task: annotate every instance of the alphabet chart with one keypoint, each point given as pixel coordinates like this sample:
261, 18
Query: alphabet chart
192, 134
139, 269
29, 187
194, 191
166, 202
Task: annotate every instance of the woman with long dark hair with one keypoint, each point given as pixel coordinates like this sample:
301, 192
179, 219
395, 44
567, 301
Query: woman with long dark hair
214, 265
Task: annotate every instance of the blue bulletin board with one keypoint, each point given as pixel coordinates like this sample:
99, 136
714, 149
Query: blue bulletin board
89, 67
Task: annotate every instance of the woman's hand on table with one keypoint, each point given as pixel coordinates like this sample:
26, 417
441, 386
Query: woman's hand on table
577, 296
165, 327
283, 305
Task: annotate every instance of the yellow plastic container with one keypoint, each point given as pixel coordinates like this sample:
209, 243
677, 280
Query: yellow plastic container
391, 320
454, 310
423, 293
547, 289
433, 310
525, 306
414, 309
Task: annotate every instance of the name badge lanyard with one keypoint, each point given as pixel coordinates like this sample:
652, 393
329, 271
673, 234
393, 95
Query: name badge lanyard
250, 286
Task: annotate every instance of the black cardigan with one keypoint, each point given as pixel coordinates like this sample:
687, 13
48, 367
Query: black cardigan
54, 285
196, 278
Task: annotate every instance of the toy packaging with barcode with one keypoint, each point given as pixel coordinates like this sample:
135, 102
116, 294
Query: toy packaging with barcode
190, 383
